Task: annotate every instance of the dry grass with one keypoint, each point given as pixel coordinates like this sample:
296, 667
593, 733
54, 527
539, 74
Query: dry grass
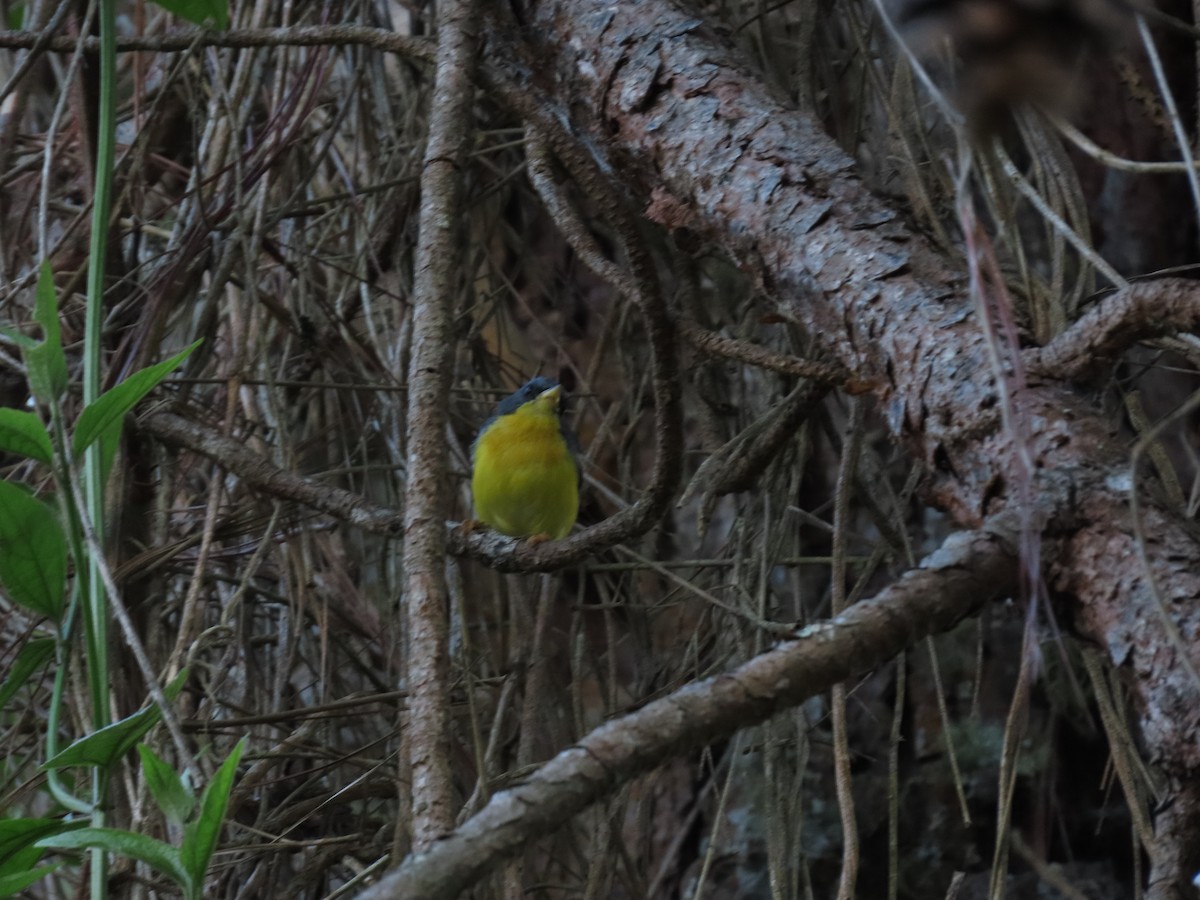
267, 205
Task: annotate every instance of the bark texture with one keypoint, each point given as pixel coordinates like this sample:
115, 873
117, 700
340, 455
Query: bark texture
669, 105
440, 265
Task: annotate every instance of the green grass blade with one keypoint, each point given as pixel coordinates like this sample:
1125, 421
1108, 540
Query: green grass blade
105, 746
18, 835
12, 885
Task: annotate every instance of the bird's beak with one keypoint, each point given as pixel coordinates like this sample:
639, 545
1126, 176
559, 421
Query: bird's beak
549, 398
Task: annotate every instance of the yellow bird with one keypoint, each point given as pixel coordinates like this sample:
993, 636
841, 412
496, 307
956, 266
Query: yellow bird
525, 479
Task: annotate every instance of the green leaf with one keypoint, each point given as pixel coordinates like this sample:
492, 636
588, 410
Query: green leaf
17, 870
30, 658
22, 860
105, 747
17, 836
156, 854
33, 552
12, 885
200, 837
199, 11
16, 17
175, 798
24, 341
47, 365
109, 408
23, 432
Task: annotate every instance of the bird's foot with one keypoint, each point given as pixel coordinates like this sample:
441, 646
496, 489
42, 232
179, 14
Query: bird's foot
469, 526
534, 539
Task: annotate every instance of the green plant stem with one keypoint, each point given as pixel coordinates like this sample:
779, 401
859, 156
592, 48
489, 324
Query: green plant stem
95, 605
74, 532
63, 659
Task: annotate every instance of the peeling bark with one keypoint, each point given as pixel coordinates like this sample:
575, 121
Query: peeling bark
682, 120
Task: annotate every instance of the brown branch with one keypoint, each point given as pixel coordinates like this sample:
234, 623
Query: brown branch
489, 547
498, 551
739, 464
195, 38
670, 105
953, 583
743, 351
847, 468
1143, 310
263, 475
439, 268
785, 418
542, 175
641, 284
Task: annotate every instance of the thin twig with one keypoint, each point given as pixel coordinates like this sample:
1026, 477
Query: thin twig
851, 447
188, 38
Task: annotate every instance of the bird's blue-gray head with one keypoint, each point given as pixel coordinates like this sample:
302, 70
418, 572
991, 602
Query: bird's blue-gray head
530, 390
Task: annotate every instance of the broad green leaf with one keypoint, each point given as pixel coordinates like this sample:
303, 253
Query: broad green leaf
46, 363
200, 837
109, 409
18, 835
105, 747
33, 552
155, 854
174, 796
23, 432
30, 658
12, 885
199, 11
17, 871
22, 860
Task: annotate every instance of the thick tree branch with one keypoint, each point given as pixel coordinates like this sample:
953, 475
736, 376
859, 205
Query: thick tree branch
439, 267
672, 107
969, 570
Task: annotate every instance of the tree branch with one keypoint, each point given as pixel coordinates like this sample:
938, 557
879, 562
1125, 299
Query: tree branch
641, 284
1143, 310
263, 475
196, 38
439, 268
489, 547
955, 582
714, 344
671, 106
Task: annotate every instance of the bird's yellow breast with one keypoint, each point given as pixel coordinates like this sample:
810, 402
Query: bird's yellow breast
525, 481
